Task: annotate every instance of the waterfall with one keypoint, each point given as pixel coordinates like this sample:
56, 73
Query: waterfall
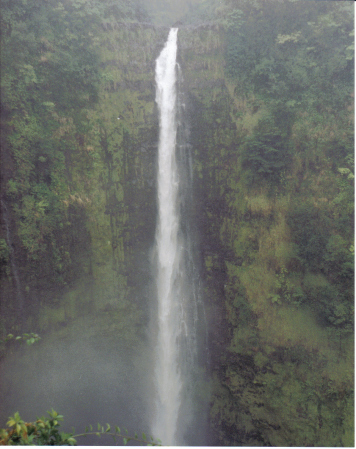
167, 372
180, 312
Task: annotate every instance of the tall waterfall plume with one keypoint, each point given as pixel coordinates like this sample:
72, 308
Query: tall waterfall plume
167, 372
179, 303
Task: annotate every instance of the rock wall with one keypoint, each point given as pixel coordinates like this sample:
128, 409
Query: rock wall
281, 368
281, 375
109, 204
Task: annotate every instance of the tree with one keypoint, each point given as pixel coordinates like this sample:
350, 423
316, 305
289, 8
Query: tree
265, 154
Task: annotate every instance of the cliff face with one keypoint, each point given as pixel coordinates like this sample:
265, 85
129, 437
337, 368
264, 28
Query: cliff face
281, 362
81, 252
273, 202
125, 133
85, 259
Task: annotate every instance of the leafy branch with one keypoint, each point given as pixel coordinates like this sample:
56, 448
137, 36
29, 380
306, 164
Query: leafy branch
118, 434
29, 338
45, 431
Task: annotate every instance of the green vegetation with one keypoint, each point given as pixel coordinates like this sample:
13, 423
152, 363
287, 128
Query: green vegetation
30, 338
45, 432
265, 154
66, 156
269, 89
274, 172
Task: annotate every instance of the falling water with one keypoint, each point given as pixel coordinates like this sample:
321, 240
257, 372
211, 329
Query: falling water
178, 282
167, 372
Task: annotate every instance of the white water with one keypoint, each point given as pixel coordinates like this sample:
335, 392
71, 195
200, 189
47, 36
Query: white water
167, 371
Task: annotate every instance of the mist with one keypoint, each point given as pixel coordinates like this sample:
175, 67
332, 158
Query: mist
259, 319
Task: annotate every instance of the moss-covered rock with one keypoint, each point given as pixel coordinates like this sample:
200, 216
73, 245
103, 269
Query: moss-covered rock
274, 355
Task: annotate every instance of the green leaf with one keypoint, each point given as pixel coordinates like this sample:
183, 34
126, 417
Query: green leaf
144, 436
125, 441
275, 298
48, 104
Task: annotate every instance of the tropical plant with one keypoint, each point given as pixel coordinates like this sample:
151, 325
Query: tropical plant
28, 338
266, 152
46, 432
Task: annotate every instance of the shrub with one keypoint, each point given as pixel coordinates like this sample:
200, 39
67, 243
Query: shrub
265, 154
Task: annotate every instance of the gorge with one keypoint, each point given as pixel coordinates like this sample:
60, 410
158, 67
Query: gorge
262, 217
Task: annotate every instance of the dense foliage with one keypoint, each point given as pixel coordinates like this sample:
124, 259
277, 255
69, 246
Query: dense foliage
275, 172
46, 432
303, 77
265, 154
47, 89
50, 84
42, 432
270, 100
